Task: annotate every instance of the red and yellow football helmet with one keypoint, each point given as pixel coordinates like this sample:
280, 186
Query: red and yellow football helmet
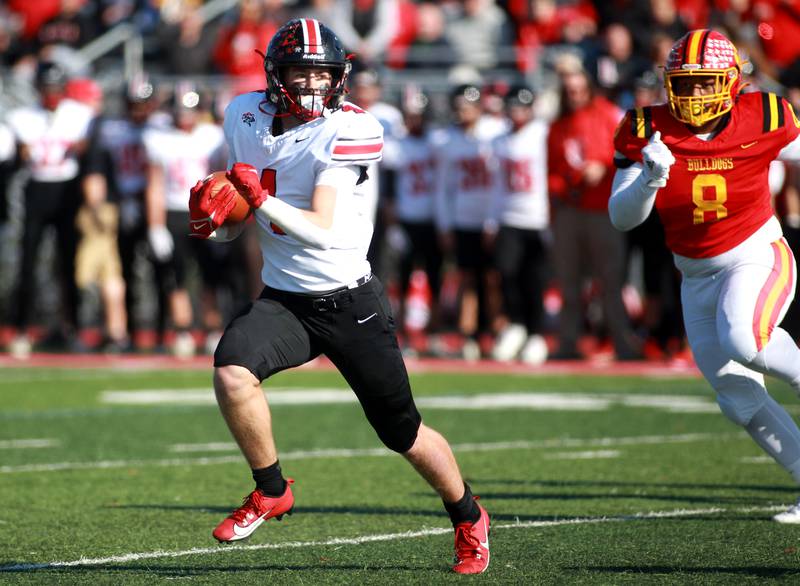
706, 53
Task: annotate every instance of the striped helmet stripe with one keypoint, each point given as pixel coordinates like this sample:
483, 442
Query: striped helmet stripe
312, 37
693, 53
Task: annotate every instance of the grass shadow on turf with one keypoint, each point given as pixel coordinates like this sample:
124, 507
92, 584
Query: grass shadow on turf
717, 572
172, 571
343, 510
669, 498
376, 511
615, 483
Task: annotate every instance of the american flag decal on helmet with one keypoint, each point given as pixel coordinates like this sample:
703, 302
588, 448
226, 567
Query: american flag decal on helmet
312, 36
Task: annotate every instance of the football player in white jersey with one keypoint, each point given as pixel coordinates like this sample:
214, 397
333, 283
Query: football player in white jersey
299, 157
410, 164
463, 195
116, 166
50, 137
521, 210
177, 155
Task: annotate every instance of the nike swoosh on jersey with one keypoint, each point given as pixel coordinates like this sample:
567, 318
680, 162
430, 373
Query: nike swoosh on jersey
301, 138
240, 531
749, 144
366, 319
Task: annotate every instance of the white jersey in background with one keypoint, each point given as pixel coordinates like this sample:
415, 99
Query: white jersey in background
520, 197
124, 141
463, 179
413, 160
7, 143
51, 138
391, 119
490, 127
183, 157
291, 165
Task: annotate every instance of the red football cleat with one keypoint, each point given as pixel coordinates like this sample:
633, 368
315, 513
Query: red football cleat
472, 545
256, 508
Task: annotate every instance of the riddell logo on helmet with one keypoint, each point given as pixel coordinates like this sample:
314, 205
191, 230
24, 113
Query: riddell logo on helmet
313, 56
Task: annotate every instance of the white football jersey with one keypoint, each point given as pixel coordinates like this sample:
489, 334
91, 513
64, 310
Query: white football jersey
7, 143
520, 196
290, 165
184, 157
51, 138
124, 141
464, 179
413, 160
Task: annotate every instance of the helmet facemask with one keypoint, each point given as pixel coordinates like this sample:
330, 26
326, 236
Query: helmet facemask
700, 109
305, 103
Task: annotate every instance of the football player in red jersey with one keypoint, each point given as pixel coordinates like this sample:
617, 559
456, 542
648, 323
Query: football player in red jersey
300, 156
702, 160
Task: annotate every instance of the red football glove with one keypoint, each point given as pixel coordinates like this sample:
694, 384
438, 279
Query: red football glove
207, 213
246, 180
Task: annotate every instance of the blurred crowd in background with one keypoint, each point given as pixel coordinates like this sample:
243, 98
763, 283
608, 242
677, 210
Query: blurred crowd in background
491, 230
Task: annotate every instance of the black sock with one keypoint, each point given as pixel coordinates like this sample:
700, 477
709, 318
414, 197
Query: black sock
269, 480
465, 510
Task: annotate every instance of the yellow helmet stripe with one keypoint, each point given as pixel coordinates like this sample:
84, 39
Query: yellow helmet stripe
693, 52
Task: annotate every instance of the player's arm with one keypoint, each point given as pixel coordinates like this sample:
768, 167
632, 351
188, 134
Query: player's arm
791, 152
633, 192
158, 234
310, 226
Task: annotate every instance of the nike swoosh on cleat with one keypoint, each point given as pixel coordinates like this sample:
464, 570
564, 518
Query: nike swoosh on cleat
483, 543
366, 319
749, 144
240, 531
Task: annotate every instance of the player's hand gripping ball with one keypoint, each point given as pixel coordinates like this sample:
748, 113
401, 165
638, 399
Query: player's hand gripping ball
214, 202
247, 180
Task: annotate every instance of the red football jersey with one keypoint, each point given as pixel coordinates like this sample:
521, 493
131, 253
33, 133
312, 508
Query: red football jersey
717, 194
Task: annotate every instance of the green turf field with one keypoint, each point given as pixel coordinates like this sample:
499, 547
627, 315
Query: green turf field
120, 476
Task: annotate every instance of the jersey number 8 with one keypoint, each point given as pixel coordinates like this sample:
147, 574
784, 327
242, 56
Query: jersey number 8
709, 210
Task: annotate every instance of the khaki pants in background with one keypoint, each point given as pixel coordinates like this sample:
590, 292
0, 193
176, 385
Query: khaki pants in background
97, 257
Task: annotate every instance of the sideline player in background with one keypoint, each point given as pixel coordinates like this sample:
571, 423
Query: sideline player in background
175, 156
702, 160
299, 157
520, 212
50, 137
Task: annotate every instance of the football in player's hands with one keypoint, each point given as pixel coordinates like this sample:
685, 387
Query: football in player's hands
241, 209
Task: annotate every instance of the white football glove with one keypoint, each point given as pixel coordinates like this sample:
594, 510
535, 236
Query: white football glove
657, 160
160, 242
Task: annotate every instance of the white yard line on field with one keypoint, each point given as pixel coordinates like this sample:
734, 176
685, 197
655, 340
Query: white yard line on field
586, 455
374, 538
479, 401
359, 453
757, 460
21, 444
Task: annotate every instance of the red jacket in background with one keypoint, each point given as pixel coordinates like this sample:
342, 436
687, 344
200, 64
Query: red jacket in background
235, 52
576, 138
